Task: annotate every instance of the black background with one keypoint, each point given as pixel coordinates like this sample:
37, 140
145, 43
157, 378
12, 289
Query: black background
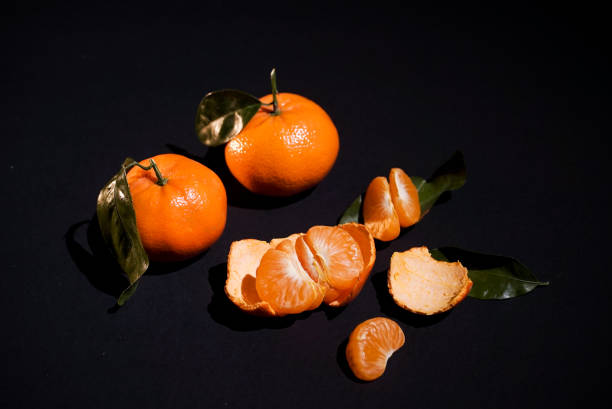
520, 92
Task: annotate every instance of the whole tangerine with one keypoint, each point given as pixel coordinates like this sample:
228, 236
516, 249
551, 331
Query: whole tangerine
289, 146
180, 206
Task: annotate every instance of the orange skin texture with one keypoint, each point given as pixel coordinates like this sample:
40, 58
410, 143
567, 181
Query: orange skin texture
370, 345
284, 154
184, 217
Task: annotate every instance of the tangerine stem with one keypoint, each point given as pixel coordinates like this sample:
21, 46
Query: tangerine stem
276, 111
152, 165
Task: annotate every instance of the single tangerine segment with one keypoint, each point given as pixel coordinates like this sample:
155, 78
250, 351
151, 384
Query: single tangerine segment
337, 254
368, 251
283, 283
379, 214
242, 263
371, 344
405, 197
419, 283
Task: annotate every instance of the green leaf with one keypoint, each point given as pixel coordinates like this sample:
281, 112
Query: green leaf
223, 114
118, 226
450, 176
351, 215
494, 277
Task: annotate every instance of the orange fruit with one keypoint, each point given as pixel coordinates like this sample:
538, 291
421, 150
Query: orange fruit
379, 214
405, 197
370, 345
419, 283
284, 152
299, 272
391, 204
183, 217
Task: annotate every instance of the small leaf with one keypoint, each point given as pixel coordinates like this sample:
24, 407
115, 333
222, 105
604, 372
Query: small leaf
118, 226
127, 293
223, 114
351, 215
450, 176
494, 277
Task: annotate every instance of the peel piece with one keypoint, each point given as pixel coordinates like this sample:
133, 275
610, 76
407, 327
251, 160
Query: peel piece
371, 344
242, 262
379, 214
419, 283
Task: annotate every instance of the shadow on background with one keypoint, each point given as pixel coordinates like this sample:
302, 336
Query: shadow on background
98, 265
391, 309
237, 195
224, 312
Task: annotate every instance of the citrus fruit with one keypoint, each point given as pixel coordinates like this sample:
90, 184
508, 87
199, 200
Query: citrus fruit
391, 204
405, 197
419, 283
180, 206
299, 272
285, 148
379, 214
370, 345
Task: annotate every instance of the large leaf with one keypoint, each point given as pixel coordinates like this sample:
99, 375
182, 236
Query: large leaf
118, 226
450, 176
494, 277
223, 114
351, 215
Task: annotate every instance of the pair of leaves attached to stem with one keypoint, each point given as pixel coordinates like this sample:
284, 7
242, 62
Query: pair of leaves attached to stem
118, 226
493, 277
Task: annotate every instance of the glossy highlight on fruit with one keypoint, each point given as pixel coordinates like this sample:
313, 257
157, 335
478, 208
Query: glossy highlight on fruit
181, 216
370, 346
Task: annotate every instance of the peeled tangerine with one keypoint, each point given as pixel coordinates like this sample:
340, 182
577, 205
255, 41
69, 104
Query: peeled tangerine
391, 204
423, 285
299, 272
370, 345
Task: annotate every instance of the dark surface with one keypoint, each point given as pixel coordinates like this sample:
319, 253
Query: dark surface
520, 93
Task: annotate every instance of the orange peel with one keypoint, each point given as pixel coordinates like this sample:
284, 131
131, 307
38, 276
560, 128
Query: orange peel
420, 284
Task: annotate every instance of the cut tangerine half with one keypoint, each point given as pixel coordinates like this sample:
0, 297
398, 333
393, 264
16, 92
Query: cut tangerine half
379, 214
423, 285
405, 197
370, 345
284, 284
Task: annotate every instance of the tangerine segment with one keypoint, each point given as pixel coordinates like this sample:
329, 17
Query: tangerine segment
371, 344
379, 213
338, 255
405, 197
423, 285
368, 251
242, 262
283, 283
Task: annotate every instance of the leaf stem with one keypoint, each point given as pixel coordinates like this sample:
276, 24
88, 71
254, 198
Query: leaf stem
276, 110
152, 165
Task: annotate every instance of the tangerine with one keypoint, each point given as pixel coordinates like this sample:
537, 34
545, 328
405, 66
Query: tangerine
370, 345
180, 206
289, 146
